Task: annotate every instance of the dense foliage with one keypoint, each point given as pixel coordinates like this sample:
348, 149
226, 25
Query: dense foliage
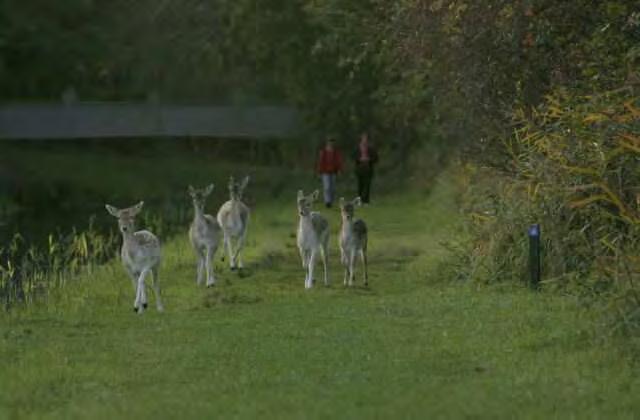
179, 50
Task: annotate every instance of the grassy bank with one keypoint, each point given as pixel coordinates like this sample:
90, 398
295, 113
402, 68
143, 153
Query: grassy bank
258, 345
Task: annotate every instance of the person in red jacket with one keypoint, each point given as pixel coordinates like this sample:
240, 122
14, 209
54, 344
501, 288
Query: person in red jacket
328, 166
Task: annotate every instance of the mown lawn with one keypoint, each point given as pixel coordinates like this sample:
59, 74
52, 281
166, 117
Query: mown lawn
413, 345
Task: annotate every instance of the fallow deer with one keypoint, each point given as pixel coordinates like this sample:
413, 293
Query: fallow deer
205, 234
233, 218
140, 255
313, 237
353, 240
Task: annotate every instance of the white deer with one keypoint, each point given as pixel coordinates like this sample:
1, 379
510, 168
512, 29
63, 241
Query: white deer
140, 255
233, 218
313, 237
353, 240
204, 234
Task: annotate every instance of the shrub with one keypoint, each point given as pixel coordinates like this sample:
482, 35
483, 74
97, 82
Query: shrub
572, 166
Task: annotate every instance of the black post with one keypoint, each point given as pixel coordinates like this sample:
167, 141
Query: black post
534, 256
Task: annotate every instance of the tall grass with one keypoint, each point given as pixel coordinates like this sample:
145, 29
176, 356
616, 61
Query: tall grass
573, 166
28, 273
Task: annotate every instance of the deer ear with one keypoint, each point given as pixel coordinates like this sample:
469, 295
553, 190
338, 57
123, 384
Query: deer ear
136, 209
341, 201
209, 189
357, 201
112, 210
315, 195
191, 190
300, 194
245, 182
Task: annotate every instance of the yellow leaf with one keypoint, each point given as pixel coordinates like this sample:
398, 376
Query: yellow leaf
609, 245
631, 147
585, 202
579, 170
595, 118
630, 106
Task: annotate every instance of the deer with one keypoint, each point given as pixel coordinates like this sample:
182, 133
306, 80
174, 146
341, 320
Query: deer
312, 237
353, 240
233, 218
140, 255
204, 234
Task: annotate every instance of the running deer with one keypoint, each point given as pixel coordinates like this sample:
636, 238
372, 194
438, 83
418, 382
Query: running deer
313, 237
140, 255
233, 218
204, 234
353, 240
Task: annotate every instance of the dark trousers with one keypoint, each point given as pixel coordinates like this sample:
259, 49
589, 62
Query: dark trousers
365, 175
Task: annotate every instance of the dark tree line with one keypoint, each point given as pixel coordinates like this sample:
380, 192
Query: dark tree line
457, 65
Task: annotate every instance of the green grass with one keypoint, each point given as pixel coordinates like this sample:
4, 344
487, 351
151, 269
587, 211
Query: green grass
413, 345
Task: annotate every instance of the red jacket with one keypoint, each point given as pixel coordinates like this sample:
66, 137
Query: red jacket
329, 161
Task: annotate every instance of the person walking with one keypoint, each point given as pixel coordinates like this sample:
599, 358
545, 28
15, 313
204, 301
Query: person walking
365, 157
329, 165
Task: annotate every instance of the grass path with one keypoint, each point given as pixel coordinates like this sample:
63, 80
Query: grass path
259, 346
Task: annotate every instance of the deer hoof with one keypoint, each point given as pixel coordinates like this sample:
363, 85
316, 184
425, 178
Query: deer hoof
135, 310
144, 305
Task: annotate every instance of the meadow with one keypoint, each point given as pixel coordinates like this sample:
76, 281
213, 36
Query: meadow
415, 344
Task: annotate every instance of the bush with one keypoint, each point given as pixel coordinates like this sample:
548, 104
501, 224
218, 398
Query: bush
572, 166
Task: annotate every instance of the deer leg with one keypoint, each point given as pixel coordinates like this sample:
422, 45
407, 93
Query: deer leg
208, 264
232, 260
346, 271
352, 259
136, 302
239, 246
200, 270
363, 255
200, 266
303, 257
311, 263
325, 252
156, 289
307, 258
225, 244
141, 298
143, 290
134, 282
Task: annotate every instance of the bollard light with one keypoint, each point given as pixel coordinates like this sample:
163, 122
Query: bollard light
534, 256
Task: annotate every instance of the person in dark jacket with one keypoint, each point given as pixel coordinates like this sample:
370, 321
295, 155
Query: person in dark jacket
365, 157
329, 165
